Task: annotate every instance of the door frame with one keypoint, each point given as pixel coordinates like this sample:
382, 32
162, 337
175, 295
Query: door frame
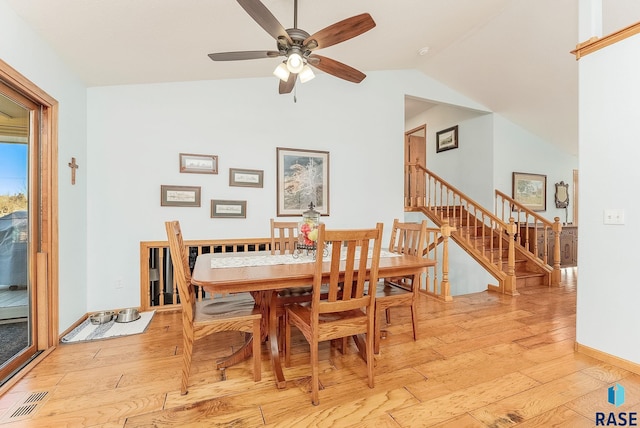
43, 256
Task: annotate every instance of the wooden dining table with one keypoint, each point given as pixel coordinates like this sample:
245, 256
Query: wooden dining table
264, 281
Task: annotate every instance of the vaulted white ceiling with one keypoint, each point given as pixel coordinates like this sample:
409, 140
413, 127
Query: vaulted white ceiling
509, 55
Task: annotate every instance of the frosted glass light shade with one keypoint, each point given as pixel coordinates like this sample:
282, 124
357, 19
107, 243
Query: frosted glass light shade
282, 72
295, 63
306, 74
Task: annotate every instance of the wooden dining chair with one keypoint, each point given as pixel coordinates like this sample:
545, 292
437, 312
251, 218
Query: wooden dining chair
347, 309
284, 235
235, 312
406, 238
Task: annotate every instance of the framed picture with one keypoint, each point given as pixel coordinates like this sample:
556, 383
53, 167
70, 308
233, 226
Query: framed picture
228, 209
302, 178
530, 190
447, 139
198, 164
245, 177
179, 196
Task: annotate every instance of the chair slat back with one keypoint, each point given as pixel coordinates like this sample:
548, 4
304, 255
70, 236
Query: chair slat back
408, 238
349, 260
284, 235
181, 270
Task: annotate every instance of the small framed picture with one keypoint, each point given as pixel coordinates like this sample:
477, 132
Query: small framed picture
245, 177
447, 139
179, 196
530, 190
198, 164
228, 209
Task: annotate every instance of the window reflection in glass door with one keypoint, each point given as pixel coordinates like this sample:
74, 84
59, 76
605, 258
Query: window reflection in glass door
16, 332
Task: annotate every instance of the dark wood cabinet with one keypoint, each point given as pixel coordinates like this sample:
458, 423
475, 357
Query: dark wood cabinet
568, 244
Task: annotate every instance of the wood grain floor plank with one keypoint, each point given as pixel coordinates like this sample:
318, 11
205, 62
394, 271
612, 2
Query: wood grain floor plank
440, 409
485, 359
596, 401
558, 417
536, 400
210, 413
365, 409
559, 367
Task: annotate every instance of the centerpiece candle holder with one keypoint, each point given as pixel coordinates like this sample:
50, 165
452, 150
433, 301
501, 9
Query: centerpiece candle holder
307, 233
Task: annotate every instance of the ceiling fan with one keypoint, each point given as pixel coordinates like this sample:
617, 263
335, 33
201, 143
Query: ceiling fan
297, 46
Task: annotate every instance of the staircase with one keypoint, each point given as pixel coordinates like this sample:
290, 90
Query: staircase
500, 245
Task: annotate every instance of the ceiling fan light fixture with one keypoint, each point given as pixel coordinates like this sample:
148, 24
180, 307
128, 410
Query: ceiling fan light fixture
295, 63
306, 74
282, 72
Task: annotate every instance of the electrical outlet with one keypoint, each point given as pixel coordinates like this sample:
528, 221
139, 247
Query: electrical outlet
118, 283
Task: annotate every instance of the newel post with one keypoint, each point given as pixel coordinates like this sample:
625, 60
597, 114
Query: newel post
445, 288
510, 282
556, 274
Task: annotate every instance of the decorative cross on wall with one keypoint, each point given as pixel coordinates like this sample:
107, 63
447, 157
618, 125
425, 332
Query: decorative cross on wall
73, 165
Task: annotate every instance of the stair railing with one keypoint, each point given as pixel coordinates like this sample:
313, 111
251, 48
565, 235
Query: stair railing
158, 287
482, 234
159, 290
528, 226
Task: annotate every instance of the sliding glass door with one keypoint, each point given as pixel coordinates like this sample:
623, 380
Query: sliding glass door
18, 117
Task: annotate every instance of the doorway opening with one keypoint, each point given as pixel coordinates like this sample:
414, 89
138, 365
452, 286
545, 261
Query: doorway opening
415, 162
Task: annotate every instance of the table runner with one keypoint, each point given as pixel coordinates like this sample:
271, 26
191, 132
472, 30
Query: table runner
276, 259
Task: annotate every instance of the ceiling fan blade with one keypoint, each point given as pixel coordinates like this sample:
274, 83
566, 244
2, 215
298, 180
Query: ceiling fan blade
336, 68
241, 55
264, 18
341, 31
286, 87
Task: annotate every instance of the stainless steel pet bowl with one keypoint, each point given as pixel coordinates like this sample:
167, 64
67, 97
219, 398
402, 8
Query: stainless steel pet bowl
128, 315
102, 317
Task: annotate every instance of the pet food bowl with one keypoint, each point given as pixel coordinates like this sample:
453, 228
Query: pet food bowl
101, 317
128, 315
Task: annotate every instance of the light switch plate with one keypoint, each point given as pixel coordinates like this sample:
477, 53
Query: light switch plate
613, 216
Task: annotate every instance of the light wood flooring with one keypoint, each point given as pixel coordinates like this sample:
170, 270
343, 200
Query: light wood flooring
483, 360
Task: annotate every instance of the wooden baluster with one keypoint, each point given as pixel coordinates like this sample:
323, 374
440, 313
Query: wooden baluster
500, 246
443, 192
556, 274
483, 234
497, 229
200, 290
510, 282
445, 288
467, 221
162, 279
415, 180
407, 198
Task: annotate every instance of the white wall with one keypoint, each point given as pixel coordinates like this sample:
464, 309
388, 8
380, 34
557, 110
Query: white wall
23, 50
608, 292
136, 133
517, 150
469, 169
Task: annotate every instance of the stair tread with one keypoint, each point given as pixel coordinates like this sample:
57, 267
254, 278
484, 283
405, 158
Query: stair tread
490, 245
